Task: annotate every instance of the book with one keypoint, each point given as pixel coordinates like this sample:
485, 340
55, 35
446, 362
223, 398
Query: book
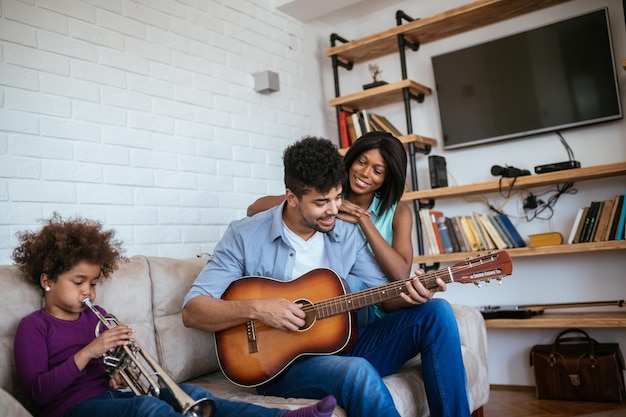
351, 132
468, 228
581, 225
614, 223
446, 240
484, 235
453, 238
501, 232
460, 236
493, 233
356, 122
596, 221
577, 219
545, 239
428, 233
386, 124
603, 220
619, 235
508, 227
434, 215
344, 136
374, 125
589, 221
366, 121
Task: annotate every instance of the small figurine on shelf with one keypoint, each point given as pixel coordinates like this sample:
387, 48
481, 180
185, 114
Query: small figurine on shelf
375, 71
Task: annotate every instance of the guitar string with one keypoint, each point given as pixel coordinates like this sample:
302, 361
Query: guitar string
428, 279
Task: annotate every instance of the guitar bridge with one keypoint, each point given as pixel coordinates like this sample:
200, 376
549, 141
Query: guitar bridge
251, 332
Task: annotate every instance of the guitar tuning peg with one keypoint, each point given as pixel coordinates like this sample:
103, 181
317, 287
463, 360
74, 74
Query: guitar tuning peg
487, 281
469, 258
499, 281
477, 283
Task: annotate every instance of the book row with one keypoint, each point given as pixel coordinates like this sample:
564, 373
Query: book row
467, 233
353, 125
600, 221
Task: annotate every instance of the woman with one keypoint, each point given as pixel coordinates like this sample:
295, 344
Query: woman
376, 166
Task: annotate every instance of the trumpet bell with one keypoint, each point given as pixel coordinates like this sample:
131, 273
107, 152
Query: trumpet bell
203, 407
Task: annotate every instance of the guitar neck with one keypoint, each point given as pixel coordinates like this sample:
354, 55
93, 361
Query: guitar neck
542, 307
483, 268
354, 301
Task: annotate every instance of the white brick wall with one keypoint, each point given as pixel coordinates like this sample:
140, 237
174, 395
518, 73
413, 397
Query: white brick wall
143, 116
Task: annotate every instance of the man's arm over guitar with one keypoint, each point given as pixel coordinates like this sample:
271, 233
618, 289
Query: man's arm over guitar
210, 314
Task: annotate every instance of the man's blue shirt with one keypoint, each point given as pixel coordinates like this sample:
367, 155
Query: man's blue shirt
257, 246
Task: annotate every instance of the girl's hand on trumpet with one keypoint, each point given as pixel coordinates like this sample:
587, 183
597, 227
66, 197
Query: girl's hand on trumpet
107, 340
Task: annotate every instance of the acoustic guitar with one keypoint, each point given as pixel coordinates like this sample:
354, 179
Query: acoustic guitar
252, 354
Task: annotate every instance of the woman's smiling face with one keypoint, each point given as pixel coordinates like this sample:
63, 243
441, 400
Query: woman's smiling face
367, 172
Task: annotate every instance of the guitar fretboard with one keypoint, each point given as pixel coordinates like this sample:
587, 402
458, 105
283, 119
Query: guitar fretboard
360, 299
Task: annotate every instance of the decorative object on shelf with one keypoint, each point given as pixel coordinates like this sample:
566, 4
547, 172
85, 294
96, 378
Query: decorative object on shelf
375, 71
578, 368
545, 239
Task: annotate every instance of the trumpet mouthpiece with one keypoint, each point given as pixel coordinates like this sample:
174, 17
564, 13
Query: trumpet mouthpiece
86, 302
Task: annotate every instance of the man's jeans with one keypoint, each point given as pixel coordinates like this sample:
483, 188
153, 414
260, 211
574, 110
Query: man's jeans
355, 379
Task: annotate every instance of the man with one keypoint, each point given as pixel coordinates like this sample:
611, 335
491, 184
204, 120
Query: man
302, 234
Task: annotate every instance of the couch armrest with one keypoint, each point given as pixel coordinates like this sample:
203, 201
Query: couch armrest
473, 334
9, 406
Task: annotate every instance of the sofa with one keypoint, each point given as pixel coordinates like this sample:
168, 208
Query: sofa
147, 293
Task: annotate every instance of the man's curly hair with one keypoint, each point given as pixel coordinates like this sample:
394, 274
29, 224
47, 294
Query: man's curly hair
61, 244
313, 163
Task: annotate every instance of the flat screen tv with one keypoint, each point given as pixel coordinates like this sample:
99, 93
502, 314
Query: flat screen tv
546, 79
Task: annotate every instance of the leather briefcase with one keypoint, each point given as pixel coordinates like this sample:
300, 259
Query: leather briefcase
578, 368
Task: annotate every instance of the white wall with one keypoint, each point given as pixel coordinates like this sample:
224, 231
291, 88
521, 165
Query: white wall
143, 115
545, 279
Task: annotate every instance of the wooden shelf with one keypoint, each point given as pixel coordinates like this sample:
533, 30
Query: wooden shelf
523, 252
420, 141
570, 175
452, 22
550, 178
551, 320
379, 96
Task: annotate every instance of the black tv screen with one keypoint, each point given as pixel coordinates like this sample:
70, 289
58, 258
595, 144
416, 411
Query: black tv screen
545, 79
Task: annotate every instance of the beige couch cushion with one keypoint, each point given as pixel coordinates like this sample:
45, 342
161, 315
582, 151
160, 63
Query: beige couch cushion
185, 353
128, 296
18, 300
10, 407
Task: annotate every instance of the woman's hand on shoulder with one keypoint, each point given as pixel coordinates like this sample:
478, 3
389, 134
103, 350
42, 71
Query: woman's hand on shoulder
350, 212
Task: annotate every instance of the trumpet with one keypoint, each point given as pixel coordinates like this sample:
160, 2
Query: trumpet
142, 374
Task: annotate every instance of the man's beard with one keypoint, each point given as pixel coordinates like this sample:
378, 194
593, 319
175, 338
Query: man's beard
318, 227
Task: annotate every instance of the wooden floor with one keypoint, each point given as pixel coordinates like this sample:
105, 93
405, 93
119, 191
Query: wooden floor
521, 402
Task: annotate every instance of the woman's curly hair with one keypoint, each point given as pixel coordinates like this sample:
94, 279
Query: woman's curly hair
61, 244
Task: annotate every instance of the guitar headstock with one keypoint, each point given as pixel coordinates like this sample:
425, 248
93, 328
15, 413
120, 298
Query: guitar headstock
493, 265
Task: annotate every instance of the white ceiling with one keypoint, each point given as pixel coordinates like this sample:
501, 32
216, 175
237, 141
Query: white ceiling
332, 12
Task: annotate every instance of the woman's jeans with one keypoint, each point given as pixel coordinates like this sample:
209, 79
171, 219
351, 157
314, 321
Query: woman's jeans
355, 379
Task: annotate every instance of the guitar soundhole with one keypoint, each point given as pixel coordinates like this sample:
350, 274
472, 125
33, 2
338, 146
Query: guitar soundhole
310, 318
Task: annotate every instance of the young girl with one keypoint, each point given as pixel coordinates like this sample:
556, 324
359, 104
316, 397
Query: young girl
376, 166
57, 356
